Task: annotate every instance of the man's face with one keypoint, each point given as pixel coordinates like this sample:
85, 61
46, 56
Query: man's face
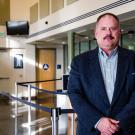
107, 33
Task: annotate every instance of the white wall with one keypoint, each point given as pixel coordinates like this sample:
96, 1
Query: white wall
16, 45
59, 60
19, 10
74, 10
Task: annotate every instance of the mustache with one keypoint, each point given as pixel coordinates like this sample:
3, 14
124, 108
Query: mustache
109, 36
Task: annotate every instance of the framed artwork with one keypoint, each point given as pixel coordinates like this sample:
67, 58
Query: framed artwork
18, 61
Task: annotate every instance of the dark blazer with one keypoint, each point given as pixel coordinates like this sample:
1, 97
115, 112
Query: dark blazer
88, 96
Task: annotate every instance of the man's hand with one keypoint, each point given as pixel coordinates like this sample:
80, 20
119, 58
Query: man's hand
107, 126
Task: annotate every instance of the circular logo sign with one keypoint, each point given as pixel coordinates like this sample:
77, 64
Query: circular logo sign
45, 66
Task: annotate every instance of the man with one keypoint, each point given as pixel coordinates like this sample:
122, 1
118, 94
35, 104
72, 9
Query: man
102, 84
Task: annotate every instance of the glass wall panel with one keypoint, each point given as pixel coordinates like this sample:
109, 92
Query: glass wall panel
44, 8
70, 1
93, 44
84, 46
128, 41
65, 54
77, 49
56, 5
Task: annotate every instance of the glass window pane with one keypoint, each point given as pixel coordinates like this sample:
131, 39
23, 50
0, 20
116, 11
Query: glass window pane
76, 49
128, 41
65, 58
93, 44
84, 46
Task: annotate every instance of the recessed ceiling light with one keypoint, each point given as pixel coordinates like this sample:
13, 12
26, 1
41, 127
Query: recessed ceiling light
63, 42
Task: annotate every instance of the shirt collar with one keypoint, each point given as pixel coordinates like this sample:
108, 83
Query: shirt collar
113, 52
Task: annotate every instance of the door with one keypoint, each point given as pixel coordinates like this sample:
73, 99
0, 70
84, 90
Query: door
46, 62
5, 70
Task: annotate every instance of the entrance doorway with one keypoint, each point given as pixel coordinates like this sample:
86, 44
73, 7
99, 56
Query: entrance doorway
46, 61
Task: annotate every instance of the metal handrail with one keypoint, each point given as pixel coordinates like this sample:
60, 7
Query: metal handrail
19, 83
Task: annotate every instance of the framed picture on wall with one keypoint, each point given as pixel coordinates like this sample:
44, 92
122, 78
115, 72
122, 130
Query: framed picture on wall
18, 61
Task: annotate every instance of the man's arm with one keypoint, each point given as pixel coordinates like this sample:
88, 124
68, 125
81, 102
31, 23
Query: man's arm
127, 115
87, 113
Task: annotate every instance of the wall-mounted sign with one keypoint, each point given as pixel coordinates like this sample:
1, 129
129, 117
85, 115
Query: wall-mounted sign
58, 66
18, 61
45, 66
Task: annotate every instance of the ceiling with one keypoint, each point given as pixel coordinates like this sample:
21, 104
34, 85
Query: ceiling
127, 22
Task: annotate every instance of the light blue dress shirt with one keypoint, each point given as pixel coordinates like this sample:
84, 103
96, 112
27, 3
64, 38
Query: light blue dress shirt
108, 66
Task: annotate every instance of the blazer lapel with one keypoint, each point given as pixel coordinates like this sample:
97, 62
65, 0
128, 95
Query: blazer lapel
96, 76
122, 67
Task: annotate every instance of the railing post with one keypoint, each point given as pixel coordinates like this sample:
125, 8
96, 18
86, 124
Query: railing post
29, 110
55, 112
16, 109
72, 124
16, 102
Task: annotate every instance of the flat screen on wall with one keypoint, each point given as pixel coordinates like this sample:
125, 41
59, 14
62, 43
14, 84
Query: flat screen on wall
17, 27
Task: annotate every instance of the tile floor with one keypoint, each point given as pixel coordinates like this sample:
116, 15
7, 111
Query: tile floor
18, 125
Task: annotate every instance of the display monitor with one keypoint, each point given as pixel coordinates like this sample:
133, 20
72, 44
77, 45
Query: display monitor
17, 27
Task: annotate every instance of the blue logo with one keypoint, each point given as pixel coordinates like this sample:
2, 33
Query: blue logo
45, 66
